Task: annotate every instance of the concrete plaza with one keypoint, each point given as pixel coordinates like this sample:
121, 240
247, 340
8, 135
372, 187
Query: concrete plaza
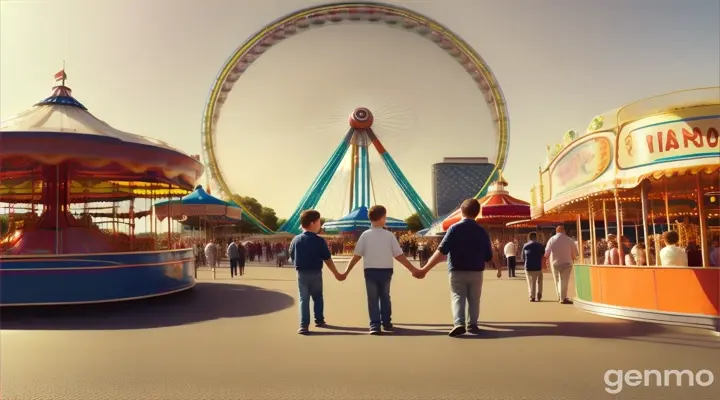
236, 339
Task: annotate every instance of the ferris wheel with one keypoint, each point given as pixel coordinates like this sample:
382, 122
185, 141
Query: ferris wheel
360, 134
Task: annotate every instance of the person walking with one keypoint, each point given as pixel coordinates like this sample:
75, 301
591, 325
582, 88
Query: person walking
379, 248
561, 249
534, 254
233, 254
509, 251
467, 247
242, 257
211, 255
308, 252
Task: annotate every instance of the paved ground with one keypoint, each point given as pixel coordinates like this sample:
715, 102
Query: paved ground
235, 339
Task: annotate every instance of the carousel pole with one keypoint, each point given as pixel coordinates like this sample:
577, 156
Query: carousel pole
637, 232
593, 235
131, 213
580, 240
703, 223
605, 220
652, 218
644, 189
169, 226
57, 209
619, 230
667, 207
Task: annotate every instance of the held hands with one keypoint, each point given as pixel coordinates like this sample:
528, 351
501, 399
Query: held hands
419, 273
341, 276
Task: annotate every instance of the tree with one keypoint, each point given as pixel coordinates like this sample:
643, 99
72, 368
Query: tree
266, 215
414, 223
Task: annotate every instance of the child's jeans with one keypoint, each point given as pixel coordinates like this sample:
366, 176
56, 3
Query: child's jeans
310, 286
377, 284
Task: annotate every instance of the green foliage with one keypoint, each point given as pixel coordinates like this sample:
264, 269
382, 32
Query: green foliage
414, 223
266, 215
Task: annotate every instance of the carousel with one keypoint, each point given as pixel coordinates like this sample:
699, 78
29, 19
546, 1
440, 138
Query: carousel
643, 177
58, 163
497, 209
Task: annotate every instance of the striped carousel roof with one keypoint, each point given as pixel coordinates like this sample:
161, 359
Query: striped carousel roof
497, 207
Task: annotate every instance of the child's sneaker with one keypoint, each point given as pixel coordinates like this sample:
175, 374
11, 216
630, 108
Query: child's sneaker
303, 330
388, 327
375, 330
320, 324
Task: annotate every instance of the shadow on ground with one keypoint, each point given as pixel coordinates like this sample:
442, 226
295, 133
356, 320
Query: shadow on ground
626, 330
205, 302
334, 330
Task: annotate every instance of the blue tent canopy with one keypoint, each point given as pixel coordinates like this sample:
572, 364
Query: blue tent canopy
358, 220
198, 197
198, 203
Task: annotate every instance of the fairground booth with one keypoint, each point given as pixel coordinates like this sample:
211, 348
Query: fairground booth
641, 171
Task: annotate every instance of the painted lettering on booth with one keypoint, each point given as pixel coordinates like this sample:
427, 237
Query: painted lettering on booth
694, 138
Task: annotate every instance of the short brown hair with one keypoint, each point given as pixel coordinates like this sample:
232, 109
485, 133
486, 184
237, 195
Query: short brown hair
672, 237
375, 213
308, 217
470, 208
532, 236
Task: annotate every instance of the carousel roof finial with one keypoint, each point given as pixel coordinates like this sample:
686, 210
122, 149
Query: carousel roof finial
62, 95
61, 76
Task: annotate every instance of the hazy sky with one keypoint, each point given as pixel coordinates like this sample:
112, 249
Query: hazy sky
147, 66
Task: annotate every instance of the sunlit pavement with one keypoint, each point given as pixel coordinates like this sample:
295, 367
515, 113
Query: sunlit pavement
236, 339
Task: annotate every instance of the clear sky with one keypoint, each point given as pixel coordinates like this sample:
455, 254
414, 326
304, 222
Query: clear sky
147, 66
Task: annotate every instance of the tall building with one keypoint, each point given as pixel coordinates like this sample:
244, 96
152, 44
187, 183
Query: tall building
456, 179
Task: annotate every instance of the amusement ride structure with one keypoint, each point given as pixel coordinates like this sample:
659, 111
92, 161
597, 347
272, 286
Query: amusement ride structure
57, 155
333, 14
357, 141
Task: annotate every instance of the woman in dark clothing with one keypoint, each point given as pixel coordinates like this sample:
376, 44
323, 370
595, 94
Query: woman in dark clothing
241, 259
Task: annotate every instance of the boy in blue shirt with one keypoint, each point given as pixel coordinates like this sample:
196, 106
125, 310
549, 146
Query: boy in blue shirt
467, 248
308, 252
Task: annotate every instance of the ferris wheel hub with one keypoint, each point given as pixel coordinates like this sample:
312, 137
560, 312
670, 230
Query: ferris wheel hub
361, 118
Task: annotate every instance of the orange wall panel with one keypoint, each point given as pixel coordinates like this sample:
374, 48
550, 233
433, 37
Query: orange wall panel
628, 287
691, 291
678, 290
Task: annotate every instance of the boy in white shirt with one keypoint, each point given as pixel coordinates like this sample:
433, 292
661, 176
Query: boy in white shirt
378, 247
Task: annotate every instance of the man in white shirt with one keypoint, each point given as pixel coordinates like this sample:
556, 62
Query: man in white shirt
378, 247
672, 255
210, 254
562, 250
509, 251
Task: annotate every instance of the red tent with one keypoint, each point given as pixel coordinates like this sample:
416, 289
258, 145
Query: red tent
497, 207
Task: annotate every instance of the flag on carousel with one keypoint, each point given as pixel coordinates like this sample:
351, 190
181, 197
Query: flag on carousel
60, 76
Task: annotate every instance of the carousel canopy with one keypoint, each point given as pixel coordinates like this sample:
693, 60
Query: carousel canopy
497, 207
59, 130
197, 203
358, 220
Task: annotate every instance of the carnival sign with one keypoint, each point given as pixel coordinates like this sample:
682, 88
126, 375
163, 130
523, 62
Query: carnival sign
668, 138
582, 164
